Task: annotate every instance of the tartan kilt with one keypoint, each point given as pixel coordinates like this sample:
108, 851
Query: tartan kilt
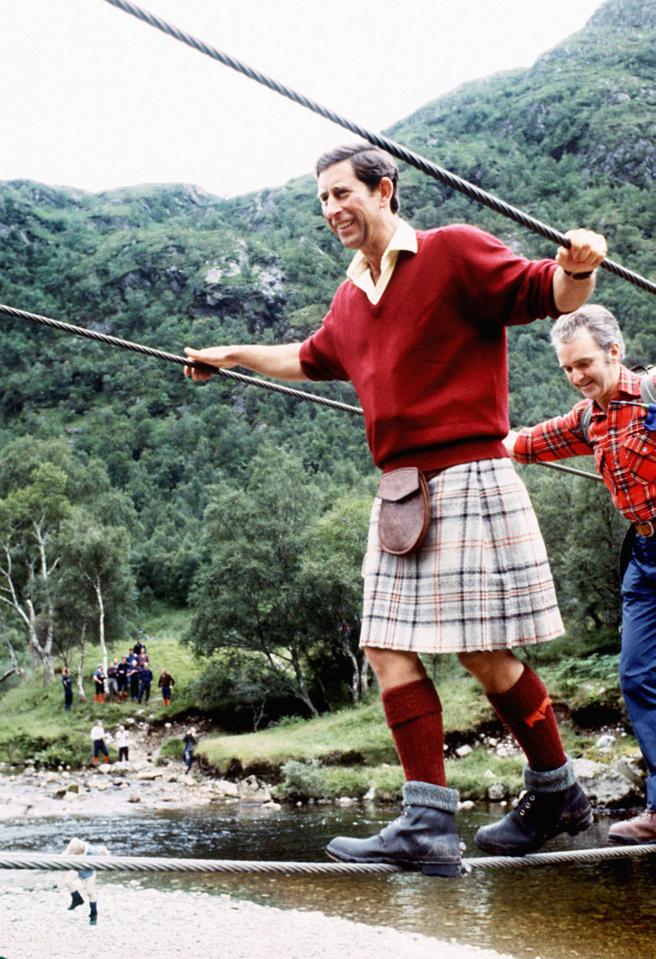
481, 580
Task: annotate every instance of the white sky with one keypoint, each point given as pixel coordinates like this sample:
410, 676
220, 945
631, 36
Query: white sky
93, 98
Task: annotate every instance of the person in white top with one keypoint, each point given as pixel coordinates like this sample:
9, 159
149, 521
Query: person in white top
98, 737
122, 740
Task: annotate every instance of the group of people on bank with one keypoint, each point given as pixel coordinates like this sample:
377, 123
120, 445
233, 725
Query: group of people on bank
131, 678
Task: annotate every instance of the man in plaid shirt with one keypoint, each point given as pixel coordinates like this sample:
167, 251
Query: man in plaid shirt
616, 425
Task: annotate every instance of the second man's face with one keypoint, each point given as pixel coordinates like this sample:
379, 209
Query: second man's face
589, 368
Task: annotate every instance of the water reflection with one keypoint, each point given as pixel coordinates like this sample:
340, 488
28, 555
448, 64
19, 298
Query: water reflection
602, 911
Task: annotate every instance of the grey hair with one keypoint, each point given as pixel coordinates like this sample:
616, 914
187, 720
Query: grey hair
600, 322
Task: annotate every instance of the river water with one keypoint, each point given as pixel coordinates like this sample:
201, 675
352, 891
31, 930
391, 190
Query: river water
601, 911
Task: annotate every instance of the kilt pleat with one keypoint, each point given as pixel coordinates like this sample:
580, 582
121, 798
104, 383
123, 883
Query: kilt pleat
481, 581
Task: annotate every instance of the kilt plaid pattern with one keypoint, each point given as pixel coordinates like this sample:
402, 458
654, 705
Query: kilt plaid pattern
481, 581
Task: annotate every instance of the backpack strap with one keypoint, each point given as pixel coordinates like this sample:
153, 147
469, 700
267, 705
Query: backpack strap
648, 387
584, 425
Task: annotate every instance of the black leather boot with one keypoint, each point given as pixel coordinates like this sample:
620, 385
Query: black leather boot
554, 803
93, 915
423, 838
76, 900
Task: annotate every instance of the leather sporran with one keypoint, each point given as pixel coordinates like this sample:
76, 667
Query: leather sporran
404, 511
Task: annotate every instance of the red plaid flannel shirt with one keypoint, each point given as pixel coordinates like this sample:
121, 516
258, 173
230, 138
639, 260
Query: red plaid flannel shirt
623, 448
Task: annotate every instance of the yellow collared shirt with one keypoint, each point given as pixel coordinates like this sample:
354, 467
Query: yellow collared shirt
403, 238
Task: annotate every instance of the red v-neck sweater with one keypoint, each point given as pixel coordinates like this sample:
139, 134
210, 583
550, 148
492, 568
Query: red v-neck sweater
428, 361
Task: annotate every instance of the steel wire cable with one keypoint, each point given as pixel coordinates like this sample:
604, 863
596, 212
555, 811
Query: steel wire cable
391, 146
173, 358
43, 862
230, 374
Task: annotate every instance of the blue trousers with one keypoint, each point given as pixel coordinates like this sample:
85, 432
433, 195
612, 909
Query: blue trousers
638, 657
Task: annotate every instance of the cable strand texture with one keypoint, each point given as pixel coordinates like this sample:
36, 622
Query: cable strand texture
39, 861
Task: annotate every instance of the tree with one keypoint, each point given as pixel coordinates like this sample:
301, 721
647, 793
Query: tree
247, 593
331, 576
29, 518
52, 551
96, 559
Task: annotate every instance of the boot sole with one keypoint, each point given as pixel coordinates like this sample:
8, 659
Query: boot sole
441, 870
573, 829
620, 841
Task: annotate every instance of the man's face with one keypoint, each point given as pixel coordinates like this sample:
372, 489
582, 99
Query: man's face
353, 212
590, 369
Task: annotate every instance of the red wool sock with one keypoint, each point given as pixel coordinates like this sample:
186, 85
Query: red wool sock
526, 709
414, 715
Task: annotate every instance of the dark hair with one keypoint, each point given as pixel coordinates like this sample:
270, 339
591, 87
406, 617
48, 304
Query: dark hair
369, 164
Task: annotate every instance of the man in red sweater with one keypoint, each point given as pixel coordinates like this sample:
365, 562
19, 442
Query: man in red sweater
419, 328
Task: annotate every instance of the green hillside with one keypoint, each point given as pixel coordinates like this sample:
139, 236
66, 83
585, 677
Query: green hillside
195, 496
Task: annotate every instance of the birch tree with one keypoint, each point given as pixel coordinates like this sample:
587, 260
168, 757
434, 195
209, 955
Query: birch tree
29, 558
97, 562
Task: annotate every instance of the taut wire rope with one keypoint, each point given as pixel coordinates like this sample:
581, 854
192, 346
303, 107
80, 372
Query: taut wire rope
40, 861
230, 374
395, 149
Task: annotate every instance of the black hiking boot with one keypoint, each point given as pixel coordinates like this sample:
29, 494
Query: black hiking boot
423, 839
76, 900
554, 803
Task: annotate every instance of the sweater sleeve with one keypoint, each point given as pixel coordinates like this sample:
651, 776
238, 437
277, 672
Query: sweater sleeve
500, 287
319, 354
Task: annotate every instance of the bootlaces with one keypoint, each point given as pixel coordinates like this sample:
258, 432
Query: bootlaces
525, 803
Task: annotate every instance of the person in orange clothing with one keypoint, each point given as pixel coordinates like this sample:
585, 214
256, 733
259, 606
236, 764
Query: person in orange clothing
98, 737
99, 683
165, 682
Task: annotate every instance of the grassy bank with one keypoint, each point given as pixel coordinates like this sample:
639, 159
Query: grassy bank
348, 752
33, 724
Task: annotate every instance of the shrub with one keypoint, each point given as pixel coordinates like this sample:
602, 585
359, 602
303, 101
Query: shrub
302, 781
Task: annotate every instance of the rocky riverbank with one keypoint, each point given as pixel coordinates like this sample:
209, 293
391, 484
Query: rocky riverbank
124, 788
148, 781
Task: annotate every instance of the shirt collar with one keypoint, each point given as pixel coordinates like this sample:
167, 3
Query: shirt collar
403, 238
628, 385
629, 382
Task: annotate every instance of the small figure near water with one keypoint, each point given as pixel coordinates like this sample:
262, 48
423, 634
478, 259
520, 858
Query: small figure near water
145, 679
122, 678
67, 683
99, 683
122, 740
112, 680
98, 736
165, 682
78, 880
133, 674
189, 741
